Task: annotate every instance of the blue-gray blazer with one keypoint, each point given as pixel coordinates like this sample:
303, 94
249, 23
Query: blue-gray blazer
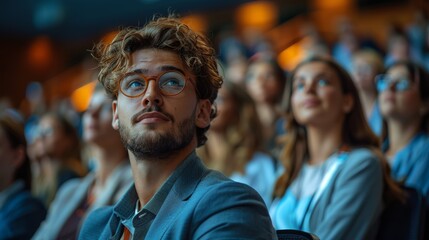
202, 204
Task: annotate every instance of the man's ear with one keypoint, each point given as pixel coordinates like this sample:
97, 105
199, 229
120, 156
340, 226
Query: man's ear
202, 116
115, 119
348, 103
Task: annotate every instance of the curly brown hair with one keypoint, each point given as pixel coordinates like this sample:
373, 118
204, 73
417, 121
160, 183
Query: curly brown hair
165, 33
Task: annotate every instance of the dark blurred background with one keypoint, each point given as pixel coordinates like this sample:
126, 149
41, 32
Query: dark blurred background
49, 41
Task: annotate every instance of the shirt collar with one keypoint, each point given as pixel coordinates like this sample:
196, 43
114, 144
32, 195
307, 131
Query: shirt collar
126, 207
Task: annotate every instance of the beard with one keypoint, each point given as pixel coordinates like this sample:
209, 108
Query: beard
155, 145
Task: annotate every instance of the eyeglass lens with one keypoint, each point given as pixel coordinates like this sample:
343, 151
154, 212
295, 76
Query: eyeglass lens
170, 83
384, 82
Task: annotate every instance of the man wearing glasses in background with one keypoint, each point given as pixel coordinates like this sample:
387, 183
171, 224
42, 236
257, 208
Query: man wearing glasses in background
164, 80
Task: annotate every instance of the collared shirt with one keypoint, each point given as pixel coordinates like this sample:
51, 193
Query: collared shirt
9, 191
411, 163
139, 223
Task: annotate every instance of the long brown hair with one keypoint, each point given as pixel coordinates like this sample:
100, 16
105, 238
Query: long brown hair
14, 130
356, 132
243, 137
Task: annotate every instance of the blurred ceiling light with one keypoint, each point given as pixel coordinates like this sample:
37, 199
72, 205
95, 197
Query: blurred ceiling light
40, 53
81, 97
262, 15
48, 14
291, 56
196, 22
334, 5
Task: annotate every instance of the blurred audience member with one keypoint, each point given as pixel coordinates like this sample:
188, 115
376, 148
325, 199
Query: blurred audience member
105, 186
33, 106
59, 157
404, 104
350, 41
235, 71
265, 81
234, 144
398, 46
333, 181
313, 43
367, 64
20, 212
416, 32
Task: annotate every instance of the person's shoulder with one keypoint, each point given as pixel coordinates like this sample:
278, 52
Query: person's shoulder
360, 155
96, 222
421, 143
222, 203
215, 184
71, 186
23, 201
363, 161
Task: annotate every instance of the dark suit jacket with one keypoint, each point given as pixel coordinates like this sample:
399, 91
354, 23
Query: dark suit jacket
202, 204
20, 216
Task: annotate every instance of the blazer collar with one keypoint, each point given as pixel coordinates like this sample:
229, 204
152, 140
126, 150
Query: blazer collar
191, 170
191, 173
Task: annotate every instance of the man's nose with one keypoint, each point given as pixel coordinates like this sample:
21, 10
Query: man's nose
152, 96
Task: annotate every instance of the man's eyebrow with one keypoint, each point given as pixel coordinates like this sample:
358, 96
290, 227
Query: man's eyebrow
162, 68
171, 68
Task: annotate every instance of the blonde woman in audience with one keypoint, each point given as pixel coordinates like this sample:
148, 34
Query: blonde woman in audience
404, 104
265, 82
367, 64
235, 142
59, 158
335, 178
111, 177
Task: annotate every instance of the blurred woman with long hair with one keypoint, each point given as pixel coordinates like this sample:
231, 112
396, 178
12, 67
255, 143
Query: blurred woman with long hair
335, 179
235, 142
404, 104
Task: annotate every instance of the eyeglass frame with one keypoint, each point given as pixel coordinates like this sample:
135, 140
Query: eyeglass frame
156, 78
381, 77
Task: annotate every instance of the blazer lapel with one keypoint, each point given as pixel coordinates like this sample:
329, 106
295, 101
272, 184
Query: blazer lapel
174, 204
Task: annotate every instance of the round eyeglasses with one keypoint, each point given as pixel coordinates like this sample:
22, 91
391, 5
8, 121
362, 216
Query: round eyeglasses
135, 84
383, 82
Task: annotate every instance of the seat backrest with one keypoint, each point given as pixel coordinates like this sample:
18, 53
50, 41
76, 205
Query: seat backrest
289, 234
403, 220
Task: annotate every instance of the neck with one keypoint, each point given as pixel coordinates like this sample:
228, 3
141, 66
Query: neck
400, 134
216, 150
368, 101
267, 114
322, 142
150, 174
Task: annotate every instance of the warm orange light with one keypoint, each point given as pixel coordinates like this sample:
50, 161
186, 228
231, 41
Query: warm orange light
40, 53
261, 15
336, 5
108, 37
291, 56
80, 97
196, 22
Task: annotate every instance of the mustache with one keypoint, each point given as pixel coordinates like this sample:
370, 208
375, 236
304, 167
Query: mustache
153, 108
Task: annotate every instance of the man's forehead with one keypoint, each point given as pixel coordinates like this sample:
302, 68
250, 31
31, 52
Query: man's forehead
155, 59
